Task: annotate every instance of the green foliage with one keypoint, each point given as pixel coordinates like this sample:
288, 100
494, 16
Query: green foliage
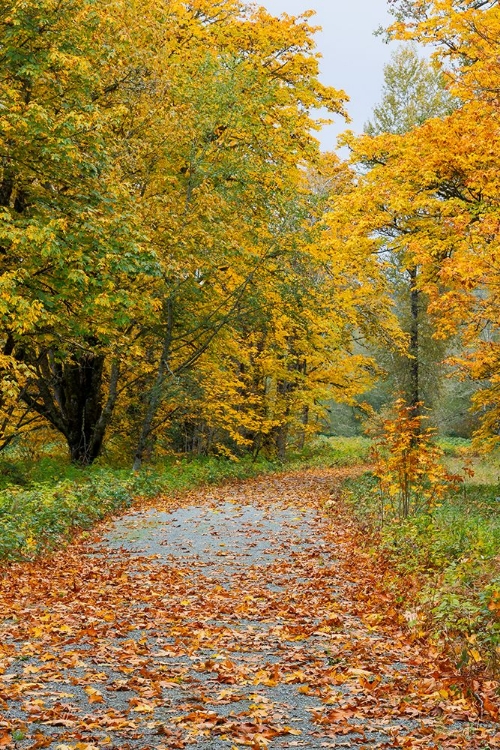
451, 553
333, 451
453, 446
414, 90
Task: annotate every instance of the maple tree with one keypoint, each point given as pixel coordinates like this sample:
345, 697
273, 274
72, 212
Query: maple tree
464, 288
414, 91
70, 249
409, 464
217, 197
462, 265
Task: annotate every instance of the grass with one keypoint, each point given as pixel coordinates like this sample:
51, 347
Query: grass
444, 565
44, 502
332, 451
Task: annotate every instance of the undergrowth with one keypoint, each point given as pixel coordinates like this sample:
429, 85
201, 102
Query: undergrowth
443, 564
332, 451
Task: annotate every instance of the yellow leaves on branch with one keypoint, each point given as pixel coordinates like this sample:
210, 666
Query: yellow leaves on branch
152, 195
431, 195
408, 463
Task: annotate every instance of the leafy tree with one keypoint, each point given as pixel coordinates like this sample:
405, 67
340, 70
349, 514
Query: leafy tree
462, 270
166, 268
69, 249
434, 191
212, 190
414, 91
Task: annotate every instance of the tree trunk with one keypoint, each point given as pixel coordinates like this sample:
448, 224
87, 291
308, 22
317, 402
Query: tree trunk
281, 433
305, 422
414, 360
81, 404
281, 441
70, 396
155, 395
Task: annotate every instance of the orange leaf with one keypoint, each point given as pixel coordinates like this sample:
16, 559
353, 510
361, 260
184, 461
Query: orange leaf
94, 695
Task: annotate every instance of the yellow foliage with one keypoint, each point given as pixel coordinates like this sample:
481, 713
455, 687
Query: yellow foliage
408, 463
431, 195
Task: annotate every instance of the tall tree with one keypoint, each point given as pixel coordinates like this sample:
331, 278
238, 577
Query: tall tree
435, 189
212, 187
141, 149
69, 248
414, 91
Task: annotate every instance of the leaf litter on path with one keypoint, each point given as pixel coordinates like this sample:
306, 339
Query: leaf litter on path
236, 617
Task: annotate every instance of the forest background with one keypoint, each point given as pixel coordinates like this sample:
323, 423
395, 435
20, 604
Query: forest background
184, 273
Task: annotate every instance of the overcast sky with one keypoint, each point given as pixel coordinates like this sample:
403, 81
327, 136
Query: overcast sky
353, 58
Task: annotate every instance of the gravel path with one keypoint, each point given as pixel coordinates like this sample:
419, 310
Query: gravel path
237, 617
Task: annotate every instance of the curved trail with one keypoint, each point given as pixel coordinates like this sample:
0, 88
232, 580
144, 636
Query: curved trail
240, 616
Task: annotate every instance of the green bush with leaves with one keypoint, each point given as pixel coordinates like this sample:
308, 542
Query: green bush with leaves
450, 554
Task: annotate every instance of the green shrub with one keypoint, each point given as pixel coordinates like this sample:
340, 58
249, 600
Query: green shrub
333, 451
453, 553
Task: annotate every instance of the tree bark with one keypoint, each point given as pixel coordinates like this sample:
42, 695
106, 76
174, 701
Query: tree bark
281, 442
70, 396
155, 395
305, 422
414, 360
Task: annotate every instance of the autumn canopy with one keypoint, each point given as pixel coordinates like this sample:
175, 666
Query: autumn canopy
183, 269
